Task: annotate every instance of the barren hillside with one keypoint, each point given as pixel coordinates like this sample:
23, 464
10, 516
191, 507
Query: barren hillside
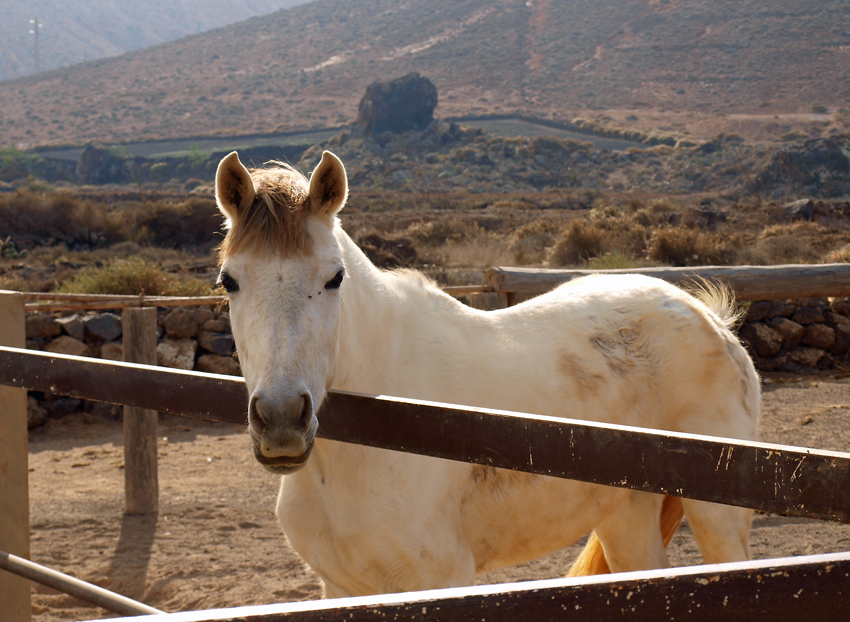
309, 65
76, 32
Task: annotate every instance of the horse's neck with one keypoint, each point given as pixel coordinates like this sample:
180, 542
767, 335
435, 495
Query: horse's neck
387, 320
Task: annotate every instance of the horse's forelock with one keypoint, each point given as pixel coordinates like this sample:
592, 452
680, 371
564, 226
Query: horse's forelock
276, 221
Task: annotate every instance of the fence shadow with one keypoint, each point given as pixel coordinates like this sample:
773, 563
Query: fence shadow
128, 568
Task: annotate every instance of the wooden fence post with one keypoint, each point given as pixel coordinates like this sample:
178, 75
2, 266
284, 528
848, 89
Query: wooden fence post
141, 485
14, 496
488, 301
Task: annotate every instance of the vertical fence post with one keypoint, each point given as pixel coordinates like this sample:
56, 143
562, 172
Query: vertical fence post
488, 301
14, 496
141, 485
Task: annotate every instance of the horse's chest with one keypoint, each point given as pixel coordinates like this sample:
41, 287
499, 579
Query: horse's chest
370, 540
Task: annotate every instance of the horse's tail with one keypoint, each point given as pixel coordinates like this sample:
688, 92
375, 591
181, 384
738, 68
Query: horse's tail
719, 299
592, 559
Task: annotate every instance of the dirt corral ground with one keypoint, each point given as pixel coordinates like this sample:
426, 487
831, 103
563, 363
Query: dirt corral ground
216, 542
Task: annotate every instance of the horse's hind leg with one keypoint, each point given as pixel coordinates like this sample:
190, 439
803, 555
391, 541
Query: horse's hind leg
721, 531
631, 535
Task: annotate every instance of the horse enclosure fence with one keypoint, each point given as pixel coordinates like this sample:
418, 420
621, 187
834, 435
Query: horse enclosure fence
785, 480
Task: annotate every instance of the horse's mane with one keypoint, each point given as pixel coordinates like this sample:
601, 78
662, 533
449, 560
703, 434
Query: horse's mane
418, 288
276, 220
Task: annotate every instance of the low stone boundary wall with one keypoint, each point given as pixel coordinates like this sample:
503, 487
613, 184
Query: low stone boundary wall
191, 338
798, 336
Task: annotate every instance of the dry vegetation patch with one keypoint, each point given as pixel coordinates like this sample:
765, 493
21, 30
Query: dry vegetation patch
113, 243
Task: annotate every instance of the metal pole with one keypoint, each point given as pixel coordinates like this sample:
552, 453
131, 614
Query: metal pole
75, 587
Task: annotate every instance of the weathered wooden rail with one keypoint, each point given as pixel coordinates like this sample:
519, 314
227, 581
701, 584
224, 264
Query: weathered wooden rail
787, 480
749, 283
780, 590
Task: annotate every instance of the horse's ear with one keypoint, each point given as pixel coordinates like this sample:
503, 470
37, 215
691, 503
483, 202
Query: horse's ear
234, 189
328, 187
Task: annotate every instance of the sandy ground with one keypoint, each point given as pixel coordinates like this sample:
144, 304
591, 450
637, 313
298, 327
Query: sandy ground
216, 542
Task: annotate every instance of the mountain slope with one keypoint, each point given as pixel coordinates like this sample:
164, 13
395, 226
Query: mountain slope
308, 66
76, 32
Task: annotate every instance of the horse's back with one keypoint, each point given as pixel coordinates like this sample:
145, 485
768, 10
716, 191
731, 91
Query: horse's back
641, 351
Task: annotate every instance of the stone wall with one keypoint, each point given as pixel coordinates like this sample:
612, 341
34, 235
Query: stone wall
798, 336
190, 338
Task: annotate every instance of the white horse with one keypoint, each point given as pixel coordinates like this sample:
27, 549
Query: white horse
311, 313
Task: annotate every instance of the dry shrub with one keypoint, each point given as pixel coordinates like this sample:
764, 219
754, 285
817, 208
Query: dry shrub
43, 220
530, 242
778, 249
795, 229
195, 222
442, 230
554, 146
133, 276
839, 255
387, 252
580, 241
661, 206
602, 210
683, 247
782, 243
613, 260
513, 204
32, 219
635, 204
628, 236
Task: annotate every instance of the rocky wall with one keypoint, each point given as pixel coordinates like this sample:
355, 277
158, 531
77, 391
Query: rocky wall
798, 336
189, 338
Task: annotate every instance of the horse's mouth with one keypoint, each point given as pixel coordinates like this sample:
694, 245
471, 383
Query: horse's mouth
283, 465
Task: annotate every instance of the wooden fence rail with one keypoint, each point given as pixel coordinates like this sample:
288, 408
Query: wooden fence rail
787, 282
775, 478
797, 589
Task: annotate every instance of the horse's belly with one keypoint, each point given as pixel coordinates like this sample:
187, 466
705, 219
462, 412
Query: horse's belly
511, 518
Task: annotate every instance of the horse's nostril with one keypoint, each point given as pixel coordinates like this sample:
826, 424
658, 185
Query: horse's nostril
306, 416
256, 417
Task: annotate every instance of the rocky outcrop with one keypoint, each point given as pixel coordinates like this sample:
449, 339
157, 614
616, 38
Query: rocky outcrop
98, 165
818, 167
397, 106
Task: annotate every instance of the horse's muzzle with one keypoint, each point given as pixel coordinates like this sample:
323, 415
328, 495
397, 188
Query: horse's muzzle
283, 431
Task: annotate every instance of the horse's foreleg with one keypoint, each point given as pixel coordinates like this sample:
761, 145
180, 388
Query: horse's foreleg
722, 531
631, 536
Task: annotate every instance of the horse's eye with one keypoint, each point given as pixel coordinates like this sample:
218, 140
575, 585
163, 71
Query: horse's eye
227, 282
335, 282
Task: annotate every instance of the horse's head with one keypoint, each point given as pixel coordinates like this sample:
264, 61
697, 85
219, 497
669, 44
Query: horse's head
282, 269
